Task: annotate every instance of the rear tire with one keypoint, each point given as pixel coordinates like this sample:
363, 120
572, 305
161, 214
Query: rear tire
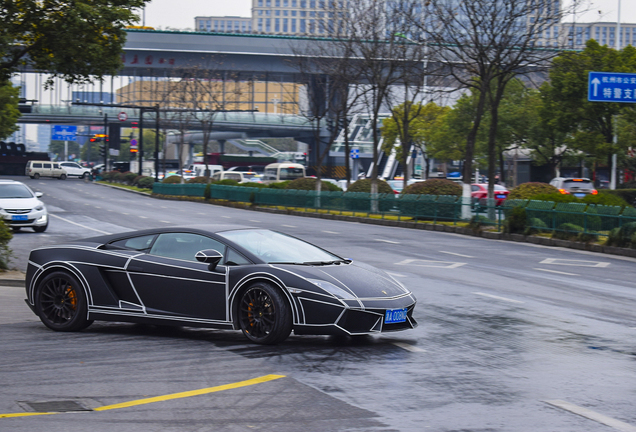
264, 314
61, 304
62, 176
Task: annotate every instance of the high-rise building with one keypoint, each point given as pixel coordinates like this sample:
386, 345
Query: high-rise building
226, 24
298, 17
575, 35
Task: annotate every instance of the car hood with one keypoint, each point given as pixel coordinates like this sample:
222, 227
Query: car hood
19, 203
360, 279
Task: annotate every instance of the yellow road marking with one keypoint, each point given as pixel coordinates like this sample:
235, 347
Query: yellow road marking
172, 396
26, 414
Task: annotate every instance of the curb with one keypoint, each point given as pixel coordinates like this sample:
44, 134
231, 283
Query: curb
18, 283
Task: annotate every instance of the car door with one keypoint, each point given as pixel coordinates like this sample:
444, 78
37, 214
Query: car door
170, 281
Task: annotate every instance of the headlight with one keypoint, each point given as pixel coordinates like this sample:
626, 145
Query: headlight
40, 207
332, 289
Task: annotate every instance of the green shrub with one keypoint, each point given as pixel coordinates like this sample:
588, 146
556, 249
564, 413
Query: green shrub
535, 226
254, 185
174, 179
129, 177
628, 195
226, 182
145, 182
308, 183
279, 185
360, 203
6, 234
606, 198
120, 177
556, 197
364, 185
567, 231
516, 221
434, 187
110, 176
199, 180
623, 236
477, 223
627, 185
530, 189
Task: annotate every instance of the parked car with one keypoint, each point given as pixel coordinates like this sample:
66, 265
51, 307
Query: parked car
479, 191
579, 187
264, 283
228, 175
75, 170
37, 169
21, 207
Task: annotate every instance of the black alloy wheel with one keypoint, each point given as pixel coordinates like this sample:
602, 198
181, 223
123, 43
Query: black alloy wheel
264, 314
61, 304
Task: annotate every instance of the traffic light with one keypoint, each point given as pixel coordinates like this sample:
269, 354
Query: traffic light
103, 149
99, 138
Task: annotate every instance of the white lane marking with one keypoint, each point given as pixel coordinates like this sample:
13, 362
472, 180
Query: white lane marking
165, 221
288, 226
201, 214
143, 217
80, 225
257, 221
592, 415
457, 254
331, 232
578, 263
97, 207
227, 217
126, 213
408, 347
387, 241
497, 297
557, 272
88, 204
396, 274
430, 263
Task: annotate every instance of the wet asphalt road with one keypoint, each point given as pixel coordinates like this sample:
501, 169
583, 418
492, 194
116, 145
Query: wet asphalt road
512, 337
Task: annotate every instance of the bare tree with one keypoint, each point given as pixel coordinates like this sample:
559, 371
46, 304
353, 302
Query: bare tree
482, 45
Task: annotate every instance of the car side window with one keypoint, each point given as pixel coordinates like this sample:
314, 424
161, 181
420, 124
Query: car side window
474, 188
234, 258
135, 243
46, 165
184, 246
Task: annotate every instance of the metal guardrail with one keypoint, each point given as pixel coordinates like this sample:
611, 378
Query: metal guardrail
541, 216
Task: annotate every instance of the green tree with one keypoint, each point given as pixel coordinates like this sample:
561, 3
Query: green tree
412, 124
57, 147
9, 112
77, 40
590, 125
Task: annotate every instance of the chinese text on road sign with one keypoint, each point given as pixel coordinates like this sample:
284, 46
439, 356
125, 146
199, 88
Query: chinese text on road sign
611, 87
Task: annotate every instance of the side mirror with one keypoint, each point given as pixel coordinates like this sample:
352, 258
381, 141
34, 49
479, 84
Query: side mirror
39, 194
209, 256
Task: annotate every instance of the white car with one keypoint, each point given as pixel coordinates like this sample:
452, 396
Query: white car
21, 207
75, 170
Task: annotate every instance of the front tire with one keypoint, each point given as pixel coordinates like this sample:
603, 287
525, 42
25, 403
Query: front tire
61, 304
40, 229
36, 176
62, 176
264, 314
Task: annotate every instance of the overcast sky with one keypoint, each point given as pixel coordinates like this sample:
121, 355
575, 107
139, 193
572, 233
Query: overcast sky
180, 13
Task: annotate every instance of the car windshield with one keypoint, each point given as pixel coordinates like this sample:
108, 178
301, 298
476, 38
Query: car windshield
15, 191
274, 247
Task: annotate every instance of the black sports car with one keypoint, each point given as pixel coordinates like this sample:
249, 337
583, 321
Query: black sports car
263, 282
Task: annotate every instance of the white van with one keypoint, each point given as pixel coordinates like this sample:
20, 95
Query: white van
199, 169
228, 175
37, 169
277, 172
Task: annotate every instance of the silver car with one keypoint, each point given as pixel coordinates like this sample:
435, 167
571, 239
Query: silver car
576, 186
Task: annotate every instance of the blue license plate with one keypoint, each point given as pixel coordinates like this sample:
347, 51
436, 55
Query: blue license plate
579, 195
395, 316
500, 196
19, 217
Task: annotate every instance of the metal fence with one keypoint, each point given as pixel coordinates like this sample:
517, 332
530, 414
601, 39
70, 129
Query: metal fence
541, 216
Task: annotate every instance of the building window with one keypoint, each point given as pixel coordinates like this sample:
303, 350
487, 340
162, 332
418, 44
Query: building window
277, 12
268, 3
303, 13
293, 26
293, 13
303, 28
293, 3
260, 3
277, 25
303, 3
312, 4
277, 3
285, 3
268, 27
285, 13
285, 25
260, 24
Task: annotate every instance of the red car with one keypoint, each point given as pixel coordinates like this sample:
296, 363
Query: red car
480, 191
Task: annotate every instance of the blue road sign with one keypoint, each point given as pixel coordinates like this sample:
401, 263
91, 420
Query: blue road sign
355, 153
64, 133
611, 87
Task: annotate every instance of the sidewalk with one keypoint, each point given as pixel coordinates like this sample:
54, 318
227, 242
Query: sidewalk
12, 278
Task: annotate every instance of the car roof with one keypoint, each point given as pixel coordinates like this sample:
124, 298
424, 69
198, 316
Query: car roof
197, 229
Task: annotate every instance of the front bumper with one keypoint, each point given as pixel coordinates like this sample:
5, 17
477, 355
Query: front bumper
35, 218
